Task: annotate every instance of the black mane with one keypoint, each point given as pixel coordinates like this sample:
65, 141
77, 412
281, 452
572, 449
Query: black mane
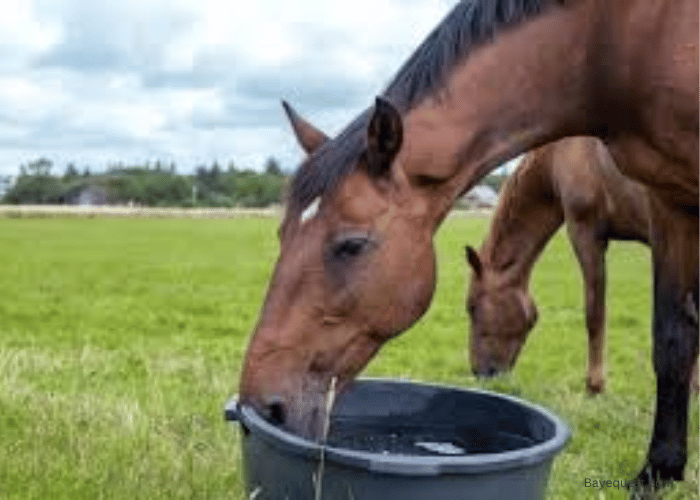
470, 24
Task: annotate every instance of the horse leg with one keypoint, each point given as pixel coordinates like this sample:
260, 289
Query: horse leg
674, 235
694, 387
590, 251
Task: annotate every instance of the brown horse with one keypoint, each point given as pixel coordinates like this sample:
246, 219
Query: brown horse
575, 182
597, 204
496, 78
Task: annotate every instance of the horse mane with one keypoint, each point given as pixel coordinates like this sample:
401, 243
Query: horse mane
531, 179
512, 188
471, 23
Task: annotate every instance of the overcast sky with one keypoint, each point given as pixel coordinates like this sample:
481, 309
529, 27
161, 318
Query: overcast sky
191, 81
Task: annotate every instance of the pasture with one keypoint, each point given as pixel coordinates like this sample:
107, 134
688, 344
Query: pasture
121, 339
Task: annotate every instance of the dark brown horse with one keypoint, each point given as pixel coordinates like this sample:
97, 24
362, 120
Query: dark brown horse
495, 79
574, 182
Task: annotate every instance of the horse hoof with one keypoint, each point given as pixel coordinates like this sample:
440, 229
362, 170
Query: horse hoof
650, 480
594, 388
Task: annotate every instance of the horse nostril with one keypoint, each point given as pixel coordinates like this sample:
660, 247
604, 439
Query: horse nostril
485, 371
276, 412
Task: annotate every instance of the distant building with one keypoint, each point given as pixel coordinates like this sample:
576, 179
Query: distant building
480, 196
87, 195
6, 182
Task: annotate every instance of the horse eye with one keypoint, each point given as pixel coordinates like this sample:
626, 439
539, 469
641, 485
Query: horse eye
349, 248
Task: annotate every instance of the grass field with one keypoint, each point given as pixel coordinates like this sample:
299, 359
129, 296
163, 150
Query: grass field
121, 339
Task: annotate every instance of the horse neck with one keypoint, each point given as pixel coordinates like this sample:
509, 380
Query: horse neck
528, 214
531, 86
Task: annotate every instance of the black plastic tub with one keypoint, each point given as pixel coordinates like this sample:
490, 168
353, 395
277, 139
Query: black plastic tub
393, 439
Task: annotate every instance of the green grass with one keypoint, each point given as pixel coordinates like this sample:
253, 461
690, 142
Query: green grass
121, 339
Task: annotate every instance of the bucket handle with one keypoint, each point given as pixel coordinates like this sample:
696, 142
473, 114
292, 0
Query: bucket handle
231, 411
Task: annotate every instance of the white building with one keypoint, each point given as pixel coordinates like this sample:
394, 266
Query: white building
480, 196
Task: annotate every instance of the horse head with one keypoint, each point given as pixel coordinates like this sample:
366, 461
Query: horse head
356, 267
501, 313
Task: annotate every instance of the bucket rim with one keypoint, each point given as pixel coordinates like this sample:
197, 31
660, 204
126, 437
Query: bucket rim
411, 465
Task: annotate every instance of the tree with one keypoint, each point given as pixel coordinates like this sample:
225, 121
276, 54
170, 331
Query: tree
71, 172
201, 173
215, 174
36, 189
86, 172
40, 167
272, 167
495, 181
166, 190
231, 168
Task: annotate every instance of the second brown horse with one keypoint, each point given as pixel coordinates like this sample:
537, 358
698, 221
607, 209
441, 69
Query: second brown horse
574, 182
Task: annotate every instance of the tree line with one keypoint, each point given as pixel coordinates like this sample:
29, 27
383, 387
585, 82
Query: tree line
152, 185
158, 185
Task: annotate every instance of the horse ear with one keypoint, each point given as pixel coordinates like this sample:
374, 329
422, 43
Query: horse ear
474, 260
309, 137
384, 137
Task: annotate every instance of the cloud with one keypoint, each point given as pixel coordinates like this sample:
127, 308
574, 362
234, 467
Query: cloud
115, 36
192, 80
23, 34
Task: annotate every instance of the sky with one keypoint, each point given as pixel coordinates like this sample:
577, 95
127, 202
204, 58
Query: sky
96, 82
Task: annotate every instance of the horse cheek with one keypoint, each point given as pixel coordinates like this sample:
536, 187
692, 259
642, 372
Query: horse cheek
417, 293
